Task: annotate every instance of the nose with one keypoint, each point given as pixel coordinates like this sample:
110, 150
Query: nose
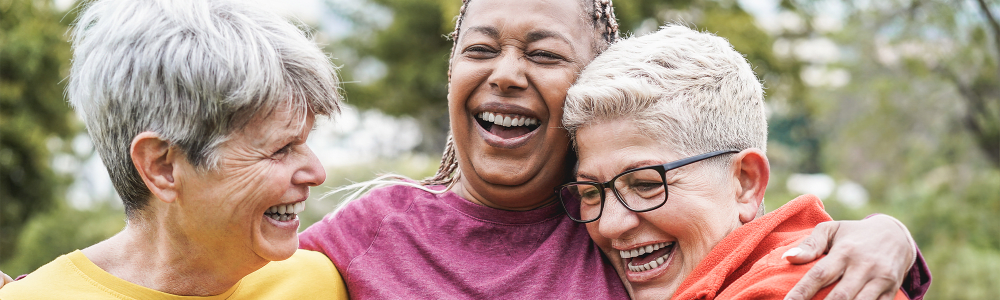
616, 220
312, 172
508, 75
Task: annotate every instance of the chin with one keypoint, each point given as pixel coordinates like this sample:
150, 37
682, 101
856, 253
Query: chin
279, 250
656, 291
275, 245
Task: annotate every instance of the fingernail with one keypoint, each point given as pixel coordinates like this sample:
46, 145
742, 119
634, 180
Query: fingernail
792, 252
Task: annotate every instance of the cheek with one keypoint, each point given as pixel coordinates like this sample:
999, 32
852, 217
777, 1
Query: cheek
553, 87
595, 235
465, 77
256, 181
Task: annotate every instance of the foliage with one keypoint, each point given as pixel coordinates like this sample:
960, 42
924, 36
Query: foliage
415, 51
33, 58
61, 231
919, 125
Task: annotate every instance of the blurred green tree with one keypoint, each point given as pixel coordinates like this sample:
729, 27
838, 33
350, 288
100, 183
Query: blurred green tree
918, 124
34, 56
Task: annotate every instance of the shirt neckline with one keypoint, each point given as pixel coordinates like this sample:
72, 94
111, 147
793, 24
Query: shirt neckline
495, 215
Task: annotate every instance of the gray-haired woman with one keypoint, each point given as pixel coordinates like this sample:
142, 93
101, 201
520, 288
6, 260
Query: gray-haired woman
200, 111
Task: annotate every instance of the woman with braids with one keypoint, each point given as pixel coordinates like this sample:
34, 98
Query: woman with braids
488, 225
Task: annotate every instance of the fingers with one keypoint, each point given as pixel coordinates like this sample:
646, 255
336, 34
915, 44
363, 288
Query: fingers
880, 288
6, 279
813, 246
823, 273
848, 287
888, 295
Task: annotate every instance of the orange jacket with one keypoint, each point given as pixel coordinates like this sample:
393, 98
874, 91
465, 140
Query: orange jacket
747, 264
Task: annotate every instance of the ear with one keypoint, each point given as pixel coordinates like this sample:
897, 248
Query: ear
155, 160
753, 171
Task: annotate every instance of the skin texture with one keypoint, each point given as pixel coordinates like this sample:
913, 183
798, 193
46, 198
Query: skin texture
705, 203
205, 230
515, 57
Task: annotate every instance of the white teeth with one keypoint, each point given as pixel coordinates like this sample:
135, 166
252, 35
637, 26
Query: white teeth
285, 212
625, 254
643, 250
650, 265
507, 121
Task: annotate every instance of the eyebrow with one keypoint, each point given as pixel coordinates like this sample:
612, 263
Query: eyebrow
532, 36
487, 30
538, 35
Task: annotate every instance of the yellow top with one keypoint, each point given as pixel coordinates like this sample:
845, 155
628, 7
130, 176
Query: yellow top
306, 275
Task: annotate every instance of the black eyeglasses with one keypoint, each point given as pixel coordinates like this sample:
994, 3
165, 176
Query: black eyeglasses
640, 189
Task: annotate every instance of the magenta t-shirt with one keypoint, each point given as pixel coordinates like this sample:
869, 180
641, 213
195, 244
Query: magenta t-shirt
402, 242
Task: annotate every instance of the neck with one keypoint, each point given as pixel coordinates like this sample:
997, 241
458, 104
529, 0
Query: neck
154, 257
508, 198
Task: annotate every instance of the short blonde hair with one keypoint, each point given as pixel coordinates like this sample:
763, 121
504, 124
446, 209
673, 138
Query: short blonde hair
689, 89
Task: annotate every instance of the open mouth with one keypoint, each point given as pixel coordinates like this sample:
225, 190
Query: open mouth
648, 257
285, 212
507, 126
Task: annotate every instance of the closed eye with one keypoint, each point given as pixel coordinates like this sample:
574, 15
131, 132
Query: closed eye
545, 57
283, 151
480, 52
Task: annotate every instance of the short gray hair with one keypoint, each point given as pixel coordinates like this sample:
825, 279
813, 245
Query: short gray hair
192, 71
689, 89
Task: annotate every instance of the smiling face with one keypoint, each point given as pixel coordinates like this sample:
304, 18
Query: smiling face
700, 211
513, 62
247, 207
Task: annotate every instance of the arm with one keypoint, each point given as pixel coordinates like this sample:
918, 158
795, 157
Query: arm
872, 258
773, 276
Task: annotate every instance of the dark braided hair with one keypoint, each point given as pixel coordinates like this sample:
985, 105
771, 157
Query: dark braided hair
602, 16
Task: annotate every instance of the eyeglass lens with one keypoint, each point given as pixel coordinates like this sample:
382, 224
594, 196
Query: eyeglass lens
640, 190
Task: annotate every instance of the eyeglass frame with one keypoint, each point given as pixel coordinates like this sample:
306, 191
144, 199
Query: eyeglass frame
662, 169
